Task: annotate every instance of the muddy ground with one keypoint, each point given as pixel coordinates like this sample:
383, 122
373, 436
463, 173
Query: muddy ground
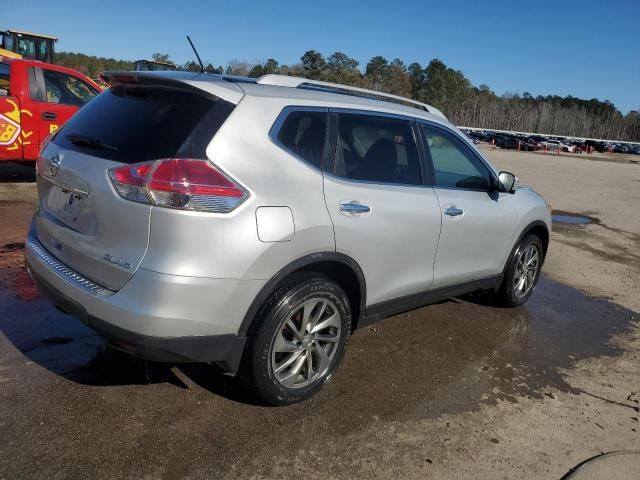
454, 390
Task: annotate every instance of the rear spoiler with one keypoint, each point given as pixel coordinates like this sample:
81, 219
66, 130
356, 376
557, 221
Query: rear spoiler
197, 82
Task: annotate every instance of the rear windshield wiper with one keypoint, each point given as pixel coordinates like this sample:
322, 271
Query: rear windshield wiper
89, 142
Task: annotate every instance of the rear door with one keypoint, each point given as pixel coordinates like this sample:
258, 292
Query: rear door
477, 222
384, 216
82, 220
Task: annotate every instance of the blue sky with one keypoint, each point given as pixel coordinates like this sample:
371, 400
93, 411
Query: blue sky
583, 48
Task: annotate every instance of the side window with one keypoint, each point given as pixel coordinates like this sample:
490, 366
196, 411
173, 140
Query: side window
26, 48
5, 82
8, 43
66, 89
303, 133
454, 164
376, 149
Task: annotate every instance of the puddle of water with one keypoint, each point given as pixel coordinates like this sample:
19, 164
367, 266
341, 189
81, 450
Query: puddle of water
452, 356
558, 216
571, 220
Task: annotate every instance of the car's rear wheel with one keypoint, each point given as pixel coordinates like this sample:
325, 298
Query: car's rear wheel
299, 340
522, 272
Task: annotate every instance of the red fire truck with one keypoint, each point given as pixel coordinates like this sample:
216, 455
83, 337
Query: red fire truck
36, 98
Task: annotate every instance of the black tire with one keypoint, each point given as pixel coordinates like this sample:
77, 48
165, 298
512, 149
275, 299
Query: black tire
289, 300
508, 294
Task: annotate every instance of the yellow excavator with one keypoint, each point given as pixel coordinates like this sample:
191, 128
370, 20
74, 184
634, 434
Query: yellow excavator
32, 46
152, 66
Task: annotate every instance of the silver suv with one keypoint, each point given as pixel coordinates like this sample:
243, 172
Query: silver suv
254, 224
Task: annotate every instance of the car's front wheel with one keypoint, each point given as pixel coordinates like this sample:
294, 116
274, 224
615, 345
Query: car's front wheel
522, 272
299, 340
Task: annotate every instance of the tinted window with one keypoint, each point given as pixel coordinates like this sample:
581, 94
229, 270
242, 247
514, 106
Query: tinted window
4, 79
455, 165
26, 48
304, 134
147, 123
376, 149
8, 42
66, 89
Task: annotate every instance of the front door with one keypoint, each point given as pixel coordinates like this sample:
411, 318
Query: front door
477, 222
384, 217
60, 96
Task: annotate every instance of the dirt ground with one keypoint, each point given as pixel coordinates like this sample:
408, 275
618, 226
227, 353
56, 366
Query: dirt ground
454, 390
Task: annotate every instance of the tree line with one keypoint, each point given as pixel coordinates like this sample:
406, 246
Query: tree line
92, 66
434, 83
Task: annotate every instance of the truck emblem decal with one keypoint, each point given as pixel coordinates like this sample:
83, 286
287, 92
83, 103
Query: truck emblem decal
11, 133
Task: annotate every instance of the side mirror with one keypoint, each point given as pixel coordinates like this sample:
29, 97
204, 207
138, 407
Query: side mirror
507, 182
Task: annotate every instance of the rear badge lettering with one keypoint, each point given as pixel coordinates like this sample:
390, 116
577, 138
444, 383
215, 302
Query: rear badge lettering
116, 261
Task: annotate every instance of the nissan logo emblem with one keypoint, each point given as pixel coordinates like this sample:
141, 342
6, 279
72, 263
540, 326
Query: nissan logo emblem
54, 166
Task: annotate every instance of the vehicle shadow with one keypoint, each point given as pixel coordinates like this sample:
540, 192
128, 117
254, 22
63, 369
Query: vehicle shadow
214, 380
111, 367
482, 298
64, 346
17, 172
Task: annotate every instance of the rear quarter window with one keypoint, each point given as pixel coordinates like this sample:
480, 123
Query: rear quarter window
303, 133
142, 123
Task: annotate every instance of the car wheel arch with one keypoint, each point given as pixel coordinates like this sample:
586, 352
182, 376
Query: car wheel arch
337, 266
538, 228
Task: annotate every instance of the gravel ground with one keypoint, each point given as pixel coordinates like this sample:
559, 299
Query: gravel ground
454, 390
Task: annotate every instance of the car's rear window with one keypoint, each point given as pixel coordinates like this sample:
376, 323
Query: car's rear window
141, 123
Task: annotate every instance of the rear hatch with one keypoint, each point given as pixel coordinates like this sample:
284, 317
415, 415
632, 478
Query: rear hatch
82, 220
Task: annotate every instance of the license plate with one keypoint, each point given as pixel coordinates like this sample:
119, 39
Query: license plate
71, 209
69, 206
73, 204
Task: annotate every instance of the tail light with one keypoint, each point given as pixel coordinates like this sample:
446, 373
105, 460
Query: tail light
184, 184
40, 164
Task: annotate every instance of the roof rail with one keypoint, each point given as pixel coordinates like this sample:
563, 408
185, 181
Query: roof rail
305, 83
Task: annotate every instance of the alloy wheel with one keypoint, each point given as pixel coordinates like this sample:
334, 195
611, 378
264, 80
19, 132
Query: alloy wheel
305, 343
526, 271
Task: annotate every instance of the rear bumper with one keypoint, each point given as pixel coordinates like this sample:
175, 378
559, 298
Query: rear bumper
154, 316
224, 350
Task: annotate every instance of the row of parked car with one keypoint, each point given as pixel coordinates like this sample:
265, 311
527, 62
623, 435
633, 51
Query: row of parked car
552, 143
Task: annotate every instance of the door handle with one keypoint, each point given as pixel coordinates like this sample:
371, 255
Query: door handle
354, 208
49, 115
453, 211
